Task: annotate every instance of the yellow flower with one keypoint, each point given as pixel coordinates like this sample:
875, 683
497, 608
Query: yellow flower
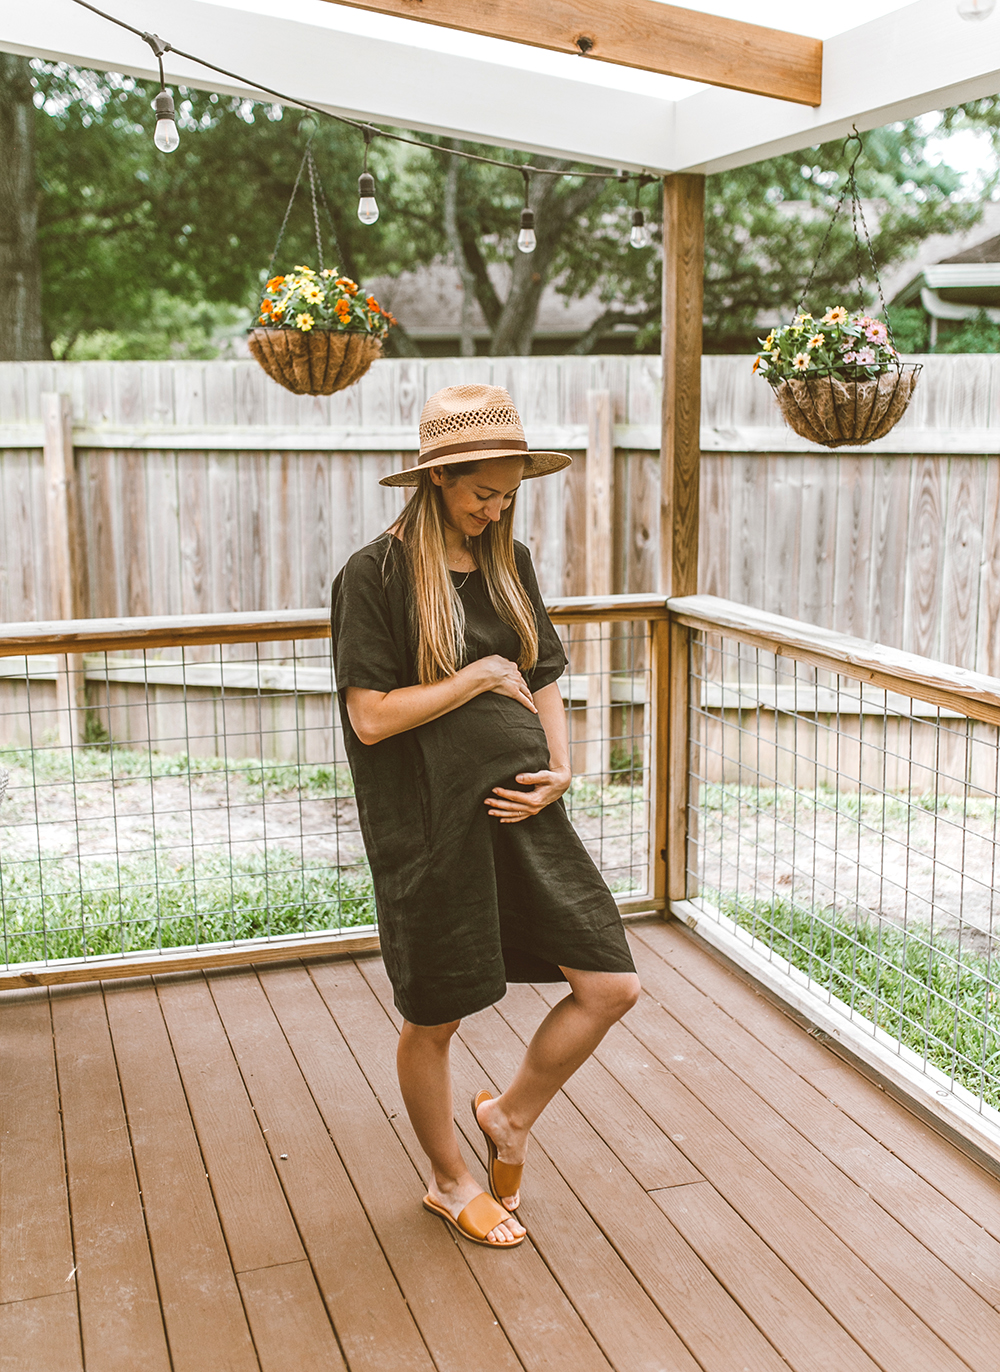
836, 315
329, 271
306, 271
801, 362
816, 341
313, 294
799, 318
769, 341
304, 322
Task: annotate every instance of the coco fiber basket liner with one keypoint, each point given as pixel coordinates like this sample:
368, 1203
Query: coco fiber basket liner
315, 363
837, 413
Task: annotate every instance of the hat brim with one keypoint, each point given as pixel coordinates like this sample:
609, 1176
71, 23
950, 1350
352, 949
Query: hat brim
535, 464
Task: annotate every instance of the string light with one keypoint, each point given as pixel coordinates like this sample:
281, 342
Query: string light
639, 236
976, 9
367, 208
165, 135
167, 139
526, 238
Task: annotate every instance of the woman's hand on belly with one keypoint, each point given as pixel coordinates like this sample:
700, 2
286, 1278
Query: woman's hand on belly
510, 807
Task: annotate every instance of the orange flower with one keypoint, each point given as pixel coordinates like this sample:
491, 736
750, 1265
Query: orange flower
372, 303
277, 312
266, 307
343, 311
275, 282
346, 284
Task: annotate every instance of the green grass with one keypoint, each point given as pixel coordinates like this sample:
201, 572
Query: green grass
56, 910
99, 762
911, 985
872, 807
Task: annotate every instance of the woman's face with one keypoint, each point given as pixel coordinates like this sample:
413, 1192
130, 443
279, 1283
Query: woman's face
478, 498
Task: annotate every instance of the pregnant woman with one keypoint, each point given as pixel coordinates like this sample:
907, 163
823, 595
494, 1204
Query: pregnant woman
447, 673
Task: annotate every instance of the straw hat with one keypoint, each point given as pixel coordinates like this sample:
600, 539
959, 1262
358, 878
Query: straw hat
472, 424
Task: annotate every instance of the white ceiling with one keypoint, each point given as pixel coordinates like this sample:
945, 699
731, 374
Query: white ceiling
882, 61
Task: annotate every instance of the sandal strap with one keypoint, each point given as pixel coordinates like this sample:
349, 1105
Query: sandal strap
507, 1177
481, 1215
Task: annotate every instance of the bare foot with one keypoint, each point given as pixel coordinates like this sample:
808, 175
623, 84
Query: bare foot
455, 1196
512, 1144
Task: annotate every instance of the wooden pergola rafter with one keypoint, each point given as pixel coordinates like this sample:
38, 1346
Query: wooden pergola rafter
639, 33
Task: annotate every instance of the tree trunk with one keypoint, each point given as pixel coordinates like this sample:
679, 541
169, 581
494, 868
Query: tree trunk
21, 339
515, 329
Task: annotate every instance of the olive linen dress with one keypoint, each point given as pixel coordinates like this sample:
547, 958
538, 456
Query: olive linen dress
465, 903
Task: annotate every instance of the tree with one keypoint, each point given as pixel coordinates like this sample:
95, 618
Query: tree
129, 235
22, 337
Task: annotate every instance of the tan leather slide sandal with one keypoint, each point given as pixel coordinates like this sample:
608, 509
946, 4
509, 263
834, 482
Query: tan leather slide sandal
479, 1218
504, 1177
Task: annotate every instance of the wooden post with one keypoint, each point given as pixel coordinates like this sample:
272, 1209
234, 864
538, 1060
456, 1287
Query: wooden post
64, 556
680, 460
598, 555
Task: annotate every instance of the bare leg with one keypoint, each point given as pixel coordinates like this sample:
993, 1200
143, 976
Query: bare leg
424, 1067
563, 1041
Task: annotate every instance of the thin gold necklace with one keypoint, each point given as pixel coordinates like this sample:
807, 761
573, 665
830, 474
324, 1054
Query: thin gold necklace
460, 584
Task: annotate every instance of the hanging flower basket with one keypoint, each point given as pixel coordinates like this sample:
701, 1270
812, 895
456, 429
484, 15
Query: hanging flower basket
316, 333
838, 381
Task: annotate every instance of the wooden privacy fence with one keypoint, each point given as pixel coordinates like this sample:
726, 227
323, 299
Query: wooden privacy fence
190, 488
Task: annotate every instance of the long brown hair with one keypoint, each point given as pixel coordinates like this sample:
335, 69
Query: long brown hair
438, 613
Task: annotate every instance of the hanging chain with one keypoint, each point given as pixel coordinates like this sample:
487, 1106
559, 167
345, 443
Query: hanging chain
315, 207
288, 210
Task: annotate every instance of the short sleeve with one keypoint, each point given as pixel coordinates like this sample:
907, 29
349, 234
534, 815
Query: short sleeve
366, 650
551, 659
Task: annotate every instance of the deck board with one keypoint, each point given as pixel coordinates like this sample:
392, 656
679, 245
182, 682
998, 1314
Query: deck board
36, 1246
715, 1190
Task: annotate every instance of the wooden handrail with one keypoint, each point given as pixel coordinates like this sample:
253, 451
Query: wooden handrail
263, 626
955, 688
160, 631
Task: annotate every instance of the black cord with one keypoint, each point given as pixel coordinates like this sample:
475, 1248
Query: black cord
369, 131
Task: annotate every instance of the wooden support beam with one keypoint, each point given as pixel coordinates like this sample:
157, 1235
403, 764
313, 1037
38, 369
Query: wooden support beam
680, 452
680, 459
639, 33
599, 476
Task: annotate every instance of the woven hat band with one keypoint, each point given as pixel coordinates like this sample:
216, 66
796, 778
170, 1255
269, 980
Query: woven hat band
513, 445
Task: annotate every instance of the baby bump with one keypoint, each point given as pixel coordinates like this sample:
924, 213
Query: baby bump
482, 744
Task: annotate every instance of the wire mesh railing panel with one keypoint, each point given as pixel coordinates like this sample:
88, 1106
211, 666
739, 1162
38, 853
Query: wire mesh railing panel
155, 801
608, 693
853, 832
200, 796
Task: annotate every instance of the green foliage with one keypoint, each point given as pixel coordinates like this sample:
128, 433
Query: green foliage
911, 984
124, 229
61, 909
122, 226
910, 329
838, 344
979, 335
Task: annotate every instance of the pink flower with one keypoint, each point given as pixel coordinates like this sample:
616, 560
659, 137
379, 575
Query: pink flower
866, 357
850, 357
877, 332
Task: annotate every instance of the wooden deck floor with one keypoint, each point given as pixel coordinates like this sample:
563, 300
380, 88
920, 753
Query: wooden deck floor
212, 1173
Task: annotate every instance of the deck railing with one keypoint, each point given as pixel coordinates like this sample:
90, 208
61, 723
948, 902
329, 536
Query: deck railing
179, 793
842, 823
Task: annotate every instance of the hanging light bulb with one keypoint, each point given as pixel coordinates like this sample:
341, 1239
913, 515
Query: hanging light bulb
976, 9
526, 238
639, 236
165, 135
367, 208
